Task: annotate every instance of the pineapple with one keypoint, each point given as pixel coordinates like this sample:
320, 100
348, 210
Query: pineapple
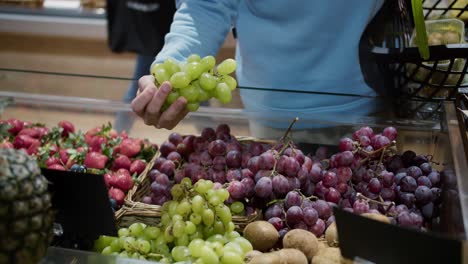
25, 209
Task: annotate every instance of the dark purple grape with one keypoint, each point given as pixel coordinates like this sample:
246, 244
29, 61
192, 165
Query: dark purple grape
315, 173
188, 142
379, 141
404, 219
449, 180
208, 134
236, 190
234, 146
374, 185
399, 177
321, 153
319, 228
417, 219
388, 178
390, 133
219, 163
401, 208
158, 188
428, 210
147, 200
320, 190
256, 148
360, 206
407, 199
333, 195
330, 179
363, 131
294, 183
254, 164
424, 180
166, 148
323, 209
282, 233
408, 157
246, 173
274, 210
153, 174
434, 177
158, 162
414, 172
219, 176
263, 188
425, 168
195, 158
420, 159
423, 195
162, 179
223, 128
175, 138
233, 159
310, 215
179, 175
436, 195
387, 194
358, 175
233, 175
342, 188
395, 163
246, 156
301, 225
205, 159
276, 222
368, 175
174, 156
280, 185
168, 167
346, 144
299, 156
217, 148
344, 159
361, 187
408, 184
291, 167
344, 174
294, 215
249, 187
267, 161
293, 198
262, 173
198, 175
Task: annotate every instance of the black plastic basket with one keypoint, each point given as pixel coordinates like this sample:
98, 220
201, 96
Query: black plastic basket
419, 86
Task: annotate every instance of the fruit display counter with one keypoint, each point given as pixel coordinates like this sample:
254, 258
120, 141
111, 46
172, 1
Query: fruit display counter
209, 191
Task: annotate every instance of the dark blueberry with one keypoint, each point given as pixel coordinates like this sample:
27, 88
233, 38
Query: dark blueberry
113, 203
74, 168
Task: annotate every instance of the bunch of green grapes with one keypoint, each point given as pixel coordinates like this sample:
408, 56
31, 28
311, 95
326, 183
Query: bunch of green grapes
197, 226
138, 241
197, 79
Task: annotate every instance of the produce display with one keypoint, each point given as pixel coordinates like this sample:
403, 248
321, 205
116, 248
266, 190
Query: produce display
100, 150
197, 79
26, 215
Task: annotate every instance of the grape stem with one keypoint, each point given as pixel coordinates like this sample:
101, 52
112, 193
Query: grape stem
369, 200
288, 131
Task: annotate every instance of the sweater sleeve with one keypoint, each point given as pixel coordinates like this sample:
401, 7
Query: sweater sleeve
199, 26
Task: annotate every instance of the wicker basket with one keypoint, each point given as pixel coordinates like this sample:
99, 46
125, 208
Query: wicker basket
37, 3
137, 211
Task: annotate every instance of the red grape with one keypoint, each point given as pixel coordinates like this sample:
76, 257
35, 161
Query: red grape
147, 200
333, 195
256, 148
263, 187
168, 167
219, 176
179, 175
344, 159
342, 187
219, 163
387, 194
293, 198
390, 133
379, 142
175, 138
387, 178
234, 146
319, 228
153, 174
365, 141
166, 148
246, 156
408, 184
374, 185
246, 173
236, 190
280, 184
291, 167
233, 175
310, 216
363, 131
223, 128
205, 159
188, 142
162, 179
344, 174
330, 179
195, 158
233, 159
346, 144
199, 144
424, 180
262, 173
316, 173
360, 206
254, 164
274, 210
158, 162
294, 215
174, 156
249, 187
307, 163
276, 222
217, 148
267, 161
323, 209
320, 190
208, 134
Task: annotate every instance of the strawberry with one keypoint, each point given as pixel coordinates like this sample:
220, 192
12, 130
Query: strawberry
95, 160
96, 143
6, 144
122, 161
124, 180
124, 134
117, 194
64, 156
42, 131
34, 147
130, 147
138, 166
90, 134
67, 127
16, 125
23, 141
116, 151
31, 132
51, 161
56, 167
81, 149
113, 134
109, 179
53, 149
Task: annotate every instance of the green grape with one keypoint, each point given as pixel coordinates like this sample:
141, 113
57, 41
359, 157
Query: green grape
208, 217
195, 218
187, 182
231, 258
116, 245
230, 81
165, 219
123, 232
190, 228
183, 240
198, 204
195, 247
168, 234
226, 67
233, 247
208, 255
207, 81
199, 261
210, 193
135, 255
159, 241
172, 97
208, 231
194, 70
107, 251
197, 234
190, 93
224, 213
173, 208
217, 247
203, 95
208, 62
214, 200
129, 244
232, 235
237, 207
193, 58
144, 246
171, 66
217, 238
161, 75
178, 228
209, 184
123, 254
177, 191
136, 229
223, 194
177, 217
230, 227
152, 232
223, 93
154, 67
165, 206
180, 253
183, 67
218, 227
180, 80
201, 187
102, 242
192, 107
244, 244
165, 261
184, 208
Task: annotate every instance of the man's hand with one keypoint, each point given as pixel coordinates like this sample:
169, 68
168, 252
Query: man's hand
149, 101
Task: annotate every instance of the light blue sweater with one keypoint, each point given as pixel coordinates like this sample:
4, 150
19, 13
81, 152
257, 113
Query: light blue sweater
308, 45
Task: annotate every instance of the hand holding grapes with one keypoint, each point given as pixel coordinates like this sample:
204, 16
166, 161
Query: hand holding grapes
149, 102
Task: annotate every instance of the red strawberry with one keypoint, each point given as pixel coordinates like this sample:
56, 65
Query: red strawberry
42, 131
56, 167
81, 149
34, 147
113, 134
96, 142
122, 161
109, 179
95, 160
67, 127
31, 132
52, 160
124, 134
117, 194
6, 144
116, 151
124, 180
53, 149
64, 156
16, 125
130, 147
90, 134
138, 166
23, 141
